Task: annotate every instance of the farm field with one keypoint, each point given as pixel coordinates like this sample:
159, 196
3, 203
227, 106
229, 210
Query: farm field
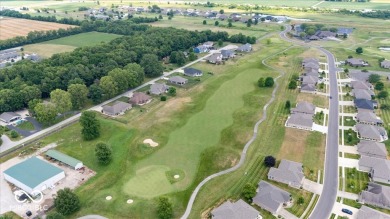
69, 43
12, 27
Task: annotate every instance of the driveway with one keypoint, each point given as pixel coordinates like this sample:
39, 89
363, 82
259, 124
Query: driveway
348, 149
337, 210
26, 133
312, 187
348, 162
347, 195
320, 128
286, 214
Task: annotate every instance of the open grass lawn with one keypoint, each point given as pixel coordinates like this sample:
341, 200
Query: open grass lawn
348, 121
26, 126
84, 39
350, 138
352, 156
356, 181
319, 118
352, 203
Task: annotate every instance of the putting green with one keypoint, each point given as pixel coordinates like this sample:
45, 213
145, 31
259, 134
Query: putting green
186, 143
149, 182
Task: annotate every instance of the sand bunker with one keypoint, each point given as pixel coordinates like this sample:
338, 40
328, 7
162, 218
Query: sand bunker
176, 176
150, 142
108, 198
130, 201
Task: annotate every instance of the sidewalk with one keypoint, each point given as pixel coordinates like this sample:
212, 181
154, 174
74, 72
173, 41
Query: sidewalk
349, 163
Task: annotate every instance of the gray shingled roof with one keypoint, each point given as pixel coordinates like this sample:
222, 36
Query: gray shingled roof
289, 171
360, 85
178, 79
227, 53
158, 88
245, 48
270, 197
364, 104
140, 98
372, 149
192, 71
370, 131
308, 87
385, 64
312, 65
7, 116
363, 94
304, 107
236, 210
376, 194
116, 108
307, 60
367, 117
215, 57
368, 213
301, 120
309, 79
380, 167
354, 61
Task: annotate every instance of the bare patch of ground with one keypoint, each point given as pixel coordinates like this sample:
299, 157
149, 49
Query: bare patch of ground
293, 147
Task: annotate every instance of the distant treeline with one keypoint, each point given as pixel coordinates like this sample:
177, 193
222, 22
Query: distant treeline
16, 14
383, 14
105, 69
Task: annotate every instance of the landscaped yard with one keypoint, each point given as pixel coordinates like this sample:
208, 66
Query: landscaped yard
352, 156
319, 118
26, 125
348, 121
355, 181
350, 138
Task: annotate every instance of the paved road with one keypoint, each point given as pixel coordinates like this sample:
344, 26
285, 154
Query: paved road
8, 145
328, 197
246, 147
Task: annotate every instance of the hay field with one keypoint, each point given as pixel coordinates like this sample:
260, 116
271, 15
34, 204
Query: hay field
12, 27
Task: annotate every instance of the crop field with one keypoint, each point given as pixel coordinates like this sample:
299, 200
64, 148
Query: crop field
12, 27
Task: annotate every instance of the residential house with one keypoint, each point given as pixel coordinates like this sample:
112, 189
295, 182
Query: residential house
193, 72
307, 61
367, 212
300, 121
344, 30
269, 18
310, 72
158, 89
371, 132
244, 20
325, 34
227, 54
376, 195
361, 85
140, 98
201, 49
235, 210
288, 172
271, 198
368, 117
385, 64
209, 44
9, 117
222, 17
363, 104
235, 18
308, 88
310, 79
354, 62
304, 107
378, 169
314, 37
178, 80
245, 48
363, 94
372, 149
117, 108
314, 65
215, 58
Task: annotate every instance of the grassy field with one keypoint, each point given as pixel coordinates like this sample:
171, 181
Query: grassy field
356, 181
69, 43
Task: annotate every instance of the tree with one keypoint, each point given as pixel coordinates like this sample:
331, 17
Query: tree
359, 50
268, 41
66, 202
248, 192
160, 17
287, 105
55, 215
346, 70
62, 100
269, 161
78, 94
379, 85
103, 153
256, 21
374, 78
216, 23
95, 93
192, 56
163, 98
14, 134
300, 201
345, 36
261, 82
221, 11
45, 112
108, 86
90, 125
383, 94
204, 22
220, 42
230, 24
269, 82
152, 66
32, 104
172, 91
164, 208
292, 85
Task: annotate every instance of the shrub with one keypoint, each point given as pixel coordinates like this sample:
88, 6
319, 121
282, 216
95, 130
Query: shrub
14, 134
163, 98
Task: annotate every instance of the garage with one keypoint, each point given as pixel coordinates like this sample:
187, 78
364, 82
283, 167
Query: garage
66, 159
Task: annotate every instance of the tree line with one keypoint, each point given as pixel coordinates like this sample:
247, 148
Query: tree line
100, 72
16, 14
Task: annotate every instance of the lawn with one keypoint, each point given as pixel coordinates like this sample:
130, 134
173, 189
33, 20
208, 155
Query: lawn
350, 138
352, 156
26, 125
355, 181
348, 121
319, 118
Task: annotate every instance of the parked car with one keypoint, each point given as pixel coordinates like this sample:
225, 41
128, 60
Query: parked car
347, 211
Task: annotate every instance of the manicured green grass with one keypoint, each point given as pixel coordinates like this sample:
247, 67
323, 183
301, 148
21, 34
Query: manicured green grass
352, 203
319, 118
84, 39
349, 109
26, 126
352, 156
350, 137
348, 121
356, 181
316, 197
10, 215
